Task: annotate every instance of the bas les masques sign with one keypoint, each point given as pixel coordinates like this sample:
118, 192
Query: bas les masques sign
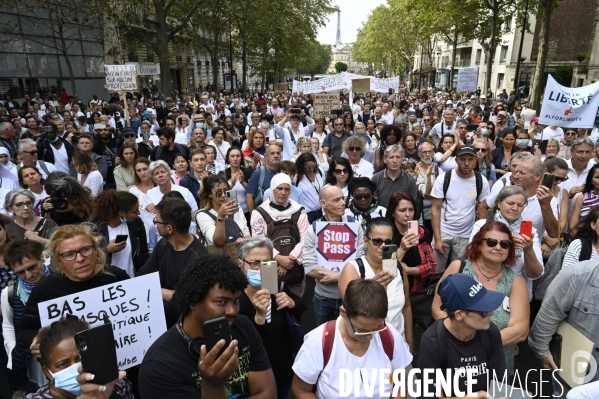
133, 306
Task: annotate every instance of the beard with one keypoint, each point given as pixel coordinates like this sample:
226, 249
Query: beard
427, 161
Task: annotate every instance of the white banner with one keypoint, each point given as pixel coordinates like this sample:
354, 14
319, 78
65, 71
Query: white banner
331, 83
121, 77
569, 107
383, 85
134, 307
467, 79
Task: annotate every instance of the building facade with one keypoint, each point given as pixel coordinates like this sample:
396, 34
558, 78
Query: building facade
343, 53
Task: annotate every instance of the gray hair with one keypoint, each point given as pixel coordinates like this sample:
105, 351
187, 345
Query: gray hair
461, 122
253, 242
353, 140
580, 141
448, 109
394, 148
265, 125
24, 142
145, 123
538, 167
521, 156
401, 118
9, 201
505, 192
156, 164
4, 126
358, 125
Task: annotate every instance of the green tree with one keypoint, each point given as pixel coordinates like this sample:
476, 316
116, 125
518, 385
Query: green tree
314, 58
340, 67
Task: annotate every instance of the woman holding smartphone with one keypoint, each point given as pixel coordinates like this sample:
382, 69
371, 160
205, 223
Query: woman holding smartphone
414, 249
221, 220
378, 232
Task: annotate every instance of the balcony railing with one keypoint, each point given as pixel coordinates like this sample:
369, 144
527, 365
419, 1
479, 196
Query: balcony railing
463, 62
465, 43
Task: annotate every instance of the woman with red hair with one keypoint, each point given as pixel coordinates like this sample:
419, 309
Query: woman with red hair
489, 259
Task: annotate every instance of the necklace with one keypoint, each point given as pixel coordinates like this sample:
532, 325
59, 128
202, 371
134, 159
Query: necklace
488, 278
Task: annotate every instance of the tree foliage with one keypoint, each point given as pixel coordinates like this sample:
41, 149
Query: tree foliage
314, 58
340, 67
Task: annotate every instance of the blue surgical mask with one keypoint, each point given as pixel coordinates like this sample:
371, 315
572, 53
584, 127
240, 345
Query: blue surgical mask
522, 142
254, 278
54, 141
199, 125
123, 220
484, 132
67, 379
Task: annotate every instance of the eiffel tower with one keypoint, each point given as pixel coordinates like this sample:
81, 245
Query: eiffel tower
338, 41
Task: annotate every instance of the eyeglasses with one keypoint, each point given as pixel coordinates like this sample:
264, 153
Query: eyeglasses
483, 150
379, 241
128, 136
72, 255
560, 179
308, 168
352, 149
383, 328
155, 221
426, 120
341, 171
22, 204
219, 193
570, 133
338, 124
518, 109
363, 197
255, 264
30, 269
483, 314
492, 243
30, 152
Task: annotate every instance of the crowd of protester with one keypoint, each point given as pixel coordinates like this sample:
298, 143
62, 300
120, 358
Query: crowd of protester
500, 204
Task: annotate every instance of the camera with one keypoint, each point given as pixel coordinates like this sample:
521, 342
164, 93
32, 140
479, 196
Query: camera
59, 199
46, 129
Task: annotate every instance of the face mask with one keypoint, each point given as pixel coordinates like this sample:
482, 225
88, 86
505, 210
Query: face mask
254, 278
67, 379
484, 132
54, 140
522, 142
199, 125
123, 220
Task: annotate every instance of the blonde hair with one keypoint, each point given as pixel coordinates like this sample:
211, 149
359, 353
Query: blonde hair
488, 155
69, 231
301, 141
552, 140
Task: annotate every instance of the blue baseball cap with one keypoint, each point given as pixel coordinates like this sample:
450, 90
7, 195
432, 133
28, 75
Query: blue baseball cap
462, 292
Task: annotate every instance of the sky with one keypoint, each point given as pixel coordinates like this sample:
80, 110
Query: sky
354, 14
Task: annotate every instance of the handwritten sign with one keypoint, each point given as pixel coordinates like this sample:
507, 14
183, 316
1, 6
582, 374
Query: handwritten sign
384, 84
133, 306
467, 78
324, 103
337, 244
360, 85
121, 77
281, 87
332, 83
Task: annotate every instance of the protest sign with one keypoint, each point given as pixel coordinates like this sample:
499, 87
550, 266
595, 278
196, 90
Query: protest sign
281, 87
360, 85
133, 306
332, 83
121, 77
467, 79
324, 103
337, 244
574, 107
383, 85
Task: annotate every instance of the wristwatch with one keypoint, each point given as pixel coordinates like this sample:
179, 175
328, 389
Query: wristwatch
219, 219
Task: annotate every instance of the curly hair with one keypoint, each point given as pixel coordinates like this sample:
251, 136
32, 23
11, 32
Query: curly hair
79, 197
110, 202
21, 172
60, 330
203, 274
473, 249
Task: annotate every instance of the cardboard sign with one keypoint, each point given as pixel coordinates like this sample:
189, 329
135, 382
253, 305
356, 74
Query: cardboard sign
569, 107
337, 244
281, 87
467, 78
360, 85
121, 77
324, 103
134, 307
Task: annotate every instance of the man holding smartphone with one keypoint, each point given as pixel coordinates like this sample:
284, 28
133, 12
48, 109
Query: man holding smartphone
179, 363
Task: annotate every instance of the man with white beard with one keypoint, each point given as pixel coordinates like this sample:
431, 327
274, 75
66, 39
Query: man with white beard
427, 173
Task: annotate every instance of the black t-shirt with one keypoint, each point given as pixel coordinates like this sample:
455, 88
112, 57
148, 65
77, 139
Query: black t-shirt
168, 371
470, 354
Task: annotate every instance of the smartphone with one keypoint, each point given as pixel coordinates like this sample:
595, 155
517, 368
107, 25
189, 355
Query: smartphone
296, 111
180, 120
526, 228
214, 331
269, 276
555, 347
471, 128
231, 195
120, 238
413, 227
145, 136
390, 259
548, 180
98, 353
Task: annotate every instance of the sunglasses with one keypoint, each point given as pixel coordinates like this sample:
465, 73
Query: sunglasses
518, 109
362, 197
560, 179
570, 134
483, 314
492, 243
128, 135
338, 124
340, 171
483, 150
382, 328
30, 152
352, 149
379, 241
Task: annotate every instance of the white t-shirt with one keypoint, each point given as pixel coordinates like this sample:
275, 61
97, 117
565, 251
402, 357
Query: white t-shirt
51, 168
221, 152
311, 191
94, 181
122, 259
61, 159
449, 163
363, 169
458, 211
549, 133
154, 196
309, 362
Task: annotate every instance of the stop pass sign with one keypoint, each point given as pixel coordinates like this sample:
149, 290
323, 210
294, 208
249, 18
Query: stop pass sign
336, 242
